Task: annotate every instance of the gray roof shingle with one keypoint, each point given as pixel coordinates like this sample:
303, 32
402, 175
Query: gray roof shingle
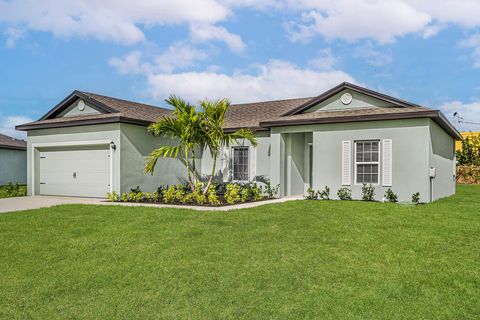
7, 142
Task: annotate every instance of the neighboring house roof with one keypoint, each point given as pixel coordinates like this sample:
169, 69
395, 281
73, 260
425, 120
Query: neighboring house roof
7, 142
257, 116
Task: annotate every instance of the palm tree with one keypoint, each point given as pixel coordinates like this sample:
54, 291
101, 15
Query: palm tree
184, 127
214, 137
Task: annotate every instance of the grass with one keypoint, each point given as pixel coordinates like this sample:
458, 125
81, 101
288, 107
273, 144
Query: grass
296, 260
4, 194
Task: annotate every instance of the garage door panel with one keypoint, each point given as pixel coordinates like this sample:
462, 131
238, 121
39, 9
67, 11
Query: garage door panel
83, 172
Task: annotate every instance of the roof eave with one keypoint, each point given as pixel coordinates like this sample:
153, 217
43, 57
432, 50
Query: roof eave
81, 122
3, 146
435, 115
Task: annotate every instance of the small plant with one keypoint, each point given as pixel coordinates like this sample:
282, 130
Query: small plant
232, 193
324, 194
344, 193
416, 198
113, 196
212, 196
124, 197
169, 194
136, 189
390, 196
246, 193
271, 192
179, 192
14, 190
368, 192
311, 194
257, 192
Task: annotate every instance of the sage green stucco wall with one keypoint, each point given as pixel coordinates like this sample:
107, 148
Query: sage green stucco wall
359, 100
410, 154
13, 166
136, 144
74, 111
72, 134
442, 158
262, 170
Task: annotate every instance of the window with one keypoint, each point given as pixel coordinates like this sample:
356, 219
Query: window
240, 163
367, 162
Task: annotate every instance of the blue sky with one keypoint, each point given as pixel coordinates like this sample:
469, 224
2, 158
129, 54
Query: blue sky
427, 52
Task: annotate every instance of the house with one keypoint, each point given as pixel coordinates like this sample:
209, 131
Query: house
90, 144
13, 160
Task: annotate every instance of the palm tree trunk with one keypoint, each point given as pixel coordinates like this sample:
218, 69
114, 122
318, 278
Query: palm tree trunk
187, 164
213, 173
194, 171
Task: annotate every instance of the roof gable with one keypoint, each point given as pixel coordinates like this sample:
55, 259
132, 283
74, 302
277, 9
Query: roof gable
361, 98
67, 105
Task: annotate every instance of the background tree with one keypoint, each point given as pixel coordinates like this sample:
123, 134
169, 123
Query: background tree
470, 152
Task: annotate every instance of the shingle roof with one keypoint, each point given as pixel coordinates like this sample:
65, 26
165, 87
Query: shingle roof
7, 142
258, 115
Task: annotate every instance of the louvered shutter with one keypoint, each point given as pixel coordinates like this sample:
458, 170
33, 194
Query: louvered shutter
387, 162
226, 162
346, 163
252, 153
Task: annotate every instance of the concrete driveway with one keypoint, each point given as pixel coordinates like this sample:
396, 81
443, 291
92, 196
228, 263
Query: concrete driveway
36, 202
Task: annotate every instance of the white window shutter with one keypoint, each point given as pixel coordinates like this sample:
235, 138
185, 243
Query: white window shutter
252, 154
387, 162
346, 163
226, 160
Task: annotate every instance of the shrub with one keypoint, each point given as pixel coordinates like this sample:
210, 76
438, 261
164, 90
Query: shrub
124, 197
344, 193
212, 196
257, 192
368, 192
470, 152
271, 192
246, 193
416, 198
468, 174
14, 190
136, 189
311, 194
179, 192
113, 196
169, 194
232, 193
160, 191
390, 196
324, 194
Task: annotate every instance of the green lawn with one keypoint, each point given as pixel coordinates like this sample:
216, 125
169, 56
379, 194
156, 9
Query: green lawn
4, 194
297, 260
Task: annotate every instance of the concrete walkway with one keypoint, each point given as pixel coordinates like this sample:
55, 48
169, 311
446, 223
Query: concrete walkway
37, 202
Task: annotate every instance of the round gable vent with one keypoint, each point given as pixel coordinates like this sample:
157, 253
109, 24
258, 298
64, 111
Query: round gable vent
81, 105
346, 98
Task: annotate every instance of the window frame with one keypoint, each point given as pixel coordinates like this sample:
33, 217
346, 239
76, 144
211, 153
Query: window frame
233, 163
378, 163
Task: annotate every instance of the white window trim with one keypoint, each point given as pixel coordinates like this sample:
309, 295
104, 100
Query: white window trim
371, 162
233, 165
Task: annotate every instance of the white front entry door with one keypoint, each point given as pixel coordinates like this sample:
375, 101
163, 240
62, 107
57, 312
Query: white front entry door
78, 172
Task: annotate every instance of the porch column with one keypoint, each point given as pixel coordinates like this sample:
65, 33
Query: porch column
277, 162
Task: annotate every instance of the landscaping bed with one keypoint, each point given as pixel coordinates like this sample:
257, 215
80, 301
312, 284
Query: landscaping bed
13, 190
224, 194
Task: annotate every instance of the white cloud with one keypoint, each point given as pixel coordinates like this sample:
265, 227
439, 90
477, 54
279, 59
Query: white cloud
274, 80
8, 123
473, 42
205, 33
178, 56
324, 61
380, 20
115, 20
12, 35
470, 112
372, 55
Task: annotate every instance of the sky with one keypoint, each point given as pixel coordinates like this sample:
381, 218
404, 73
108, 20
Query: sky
423, 51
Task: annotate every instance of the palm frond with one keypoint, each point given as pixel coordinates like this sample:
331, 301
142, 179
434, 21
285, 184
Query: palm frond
162, 152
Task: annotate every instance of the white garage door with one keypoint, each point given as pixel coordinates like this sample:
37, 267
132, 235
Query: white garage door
80, 172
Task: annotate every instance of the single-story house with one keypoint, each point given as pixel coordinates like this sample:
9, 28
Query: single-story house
90, 144
13, 160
